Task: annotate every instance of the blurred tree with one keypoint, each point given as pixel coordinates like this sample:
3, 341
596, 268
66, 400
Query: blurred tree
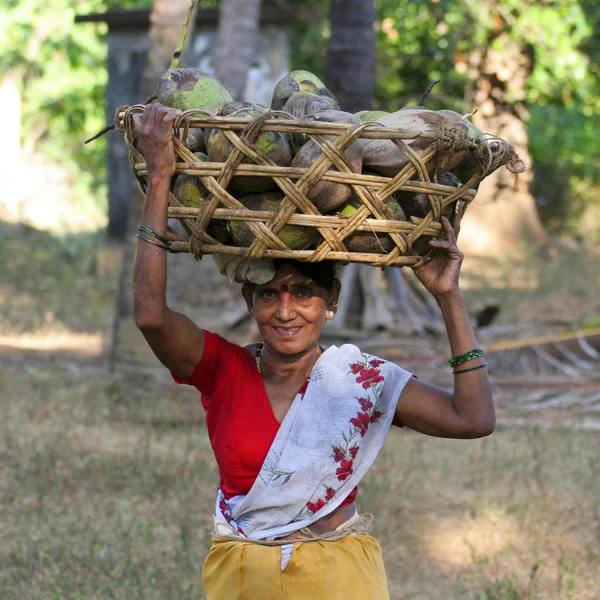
238, 20
59, 70
350, 58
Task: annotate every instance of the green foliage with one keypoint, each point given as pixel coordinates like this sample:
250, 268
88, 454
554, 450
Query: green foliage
419, 41
60, 70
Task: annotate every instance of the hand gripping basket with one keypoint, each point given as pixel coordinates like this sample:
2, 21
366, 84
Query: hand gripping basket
295, 183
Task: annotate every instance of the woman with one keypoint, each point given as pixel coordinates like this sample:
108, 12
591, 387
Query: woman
294, 427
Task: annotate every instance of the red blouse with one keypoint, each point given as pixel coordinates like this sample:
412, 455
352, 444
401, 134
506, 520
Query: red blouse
240, 421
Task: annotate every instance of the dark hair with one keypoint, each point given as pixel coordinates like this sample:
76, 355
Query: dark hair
322, 273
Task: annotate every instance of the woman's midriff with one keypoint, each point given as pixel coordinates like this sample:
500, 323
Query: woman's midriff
332, 521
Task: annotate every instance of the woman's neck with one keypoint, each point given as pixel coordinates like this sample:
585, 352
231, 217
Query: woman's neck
281, 366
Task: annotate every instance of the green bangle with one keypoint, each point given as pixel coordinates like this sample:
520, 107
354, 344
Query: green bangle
159, 237
153, 243
471, 369
467, 356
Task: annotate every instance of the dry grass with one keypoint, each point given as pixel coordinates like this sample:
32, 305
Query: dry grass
107, 482
108, 486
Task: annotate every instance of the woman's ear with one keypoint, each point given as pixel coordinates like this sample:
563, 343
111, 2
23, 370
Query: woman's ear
334, 298
247, 295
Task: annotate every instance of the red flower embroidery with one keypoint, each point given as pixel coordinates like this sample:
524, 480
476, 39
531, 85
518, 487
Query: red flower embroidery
375, 416
329, 494
338, 454
369, 377
361, 421
356, 368
365, 404
376, 362
313, 507
345, 470
353, 451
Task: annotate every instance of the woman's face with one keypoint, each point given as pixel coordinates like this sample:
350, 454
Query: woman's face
291, 310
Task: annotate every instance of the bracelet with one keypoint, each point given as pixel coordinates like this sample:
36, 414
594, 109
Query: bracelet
471, 369
140, 237
153, 234
467, 356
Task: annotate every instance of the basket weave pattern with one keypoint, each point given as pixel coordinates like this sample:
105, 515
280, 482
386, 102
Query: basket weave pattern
295, 183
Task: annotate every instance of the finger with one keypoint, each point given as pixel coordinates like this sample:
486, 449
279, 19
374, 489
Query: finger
448, 231
148, 114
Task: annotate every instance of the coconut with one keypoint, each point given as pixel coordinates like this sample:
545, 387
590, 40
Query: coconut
365, 241
190, 191
195, 140
272, 144
327, 195
293, 236
191, 88
306, 103
299, 81
366, 116
387, 159
418, 205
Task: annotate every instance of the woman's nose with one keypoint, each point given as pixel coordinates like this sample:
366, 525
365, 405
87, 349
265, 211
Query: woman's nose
285, 310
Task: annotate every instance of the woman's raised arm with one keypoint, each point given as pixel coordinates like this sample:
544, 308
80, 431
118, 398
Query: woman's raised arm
175, 340
468, 412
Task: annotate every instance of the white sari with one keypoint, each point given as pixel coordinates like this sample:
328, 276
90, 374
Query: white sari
329, 438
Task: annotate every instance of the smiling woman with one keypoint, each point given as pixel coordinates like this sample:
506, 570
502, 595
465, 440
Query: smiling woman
294, 426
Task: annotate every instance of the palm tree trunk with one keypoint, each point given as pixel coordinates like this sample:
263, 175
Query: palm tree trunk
236, 43
350, 61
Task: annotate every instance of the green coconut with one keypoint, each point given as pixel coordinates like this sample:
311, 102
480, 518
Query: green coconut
299, 81
190, 191
271, 144
366, 116
293, 236
195, 140
372, 242
385, 158
191, 88
327, 195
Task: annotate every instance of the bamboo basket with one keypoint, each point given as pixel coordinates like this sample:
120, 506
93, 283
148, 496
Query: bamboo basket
295, 183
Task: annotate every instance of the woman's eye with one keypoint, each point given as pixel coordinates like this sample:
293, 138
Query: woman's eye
267, 294
303, 293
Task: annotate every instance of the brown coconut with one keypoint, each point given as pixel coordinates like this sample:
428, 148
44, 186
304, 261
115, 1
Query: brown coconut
299, 81
293, 236
271, 144
418, 205
372, 242
306, 103
326, 195
387, 159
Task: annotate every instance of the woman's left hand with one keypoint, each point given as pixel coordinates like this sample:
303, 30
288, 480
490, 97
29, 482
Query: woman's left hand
439, 275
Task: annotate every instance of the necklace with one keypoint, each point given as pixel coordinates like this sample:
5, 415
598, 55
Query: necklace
257, 357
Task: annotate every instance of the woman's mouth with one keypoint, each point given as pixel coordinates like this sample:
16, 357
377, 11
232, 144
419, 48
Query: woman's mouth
287, 331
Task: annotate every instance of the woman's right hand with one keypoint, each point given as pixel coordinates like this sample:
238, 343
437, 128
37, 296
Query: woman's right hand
154, 128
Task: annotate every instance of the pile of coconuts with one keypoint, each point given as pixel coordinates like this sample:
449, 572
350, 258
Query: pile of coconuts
303, 95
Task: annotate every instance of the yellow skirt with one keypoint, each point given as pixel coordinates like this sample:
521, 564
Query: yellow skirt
348, 568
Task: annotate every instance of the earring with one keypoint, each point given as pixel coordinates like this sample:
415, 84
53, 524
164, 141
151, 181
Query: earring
331, 314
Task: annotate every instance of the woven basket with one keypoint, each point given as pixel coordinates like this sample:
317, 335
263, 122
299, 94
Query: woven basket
295, 183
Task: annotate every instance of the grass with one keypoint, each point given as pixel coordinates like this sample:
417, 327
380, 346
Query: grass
108, 487
107, 482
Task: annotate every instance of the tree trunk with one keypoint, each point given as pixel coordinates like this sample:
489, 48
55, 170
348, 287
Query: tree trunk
365, 302
166, 22
236, 43
350, 61
503, 217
